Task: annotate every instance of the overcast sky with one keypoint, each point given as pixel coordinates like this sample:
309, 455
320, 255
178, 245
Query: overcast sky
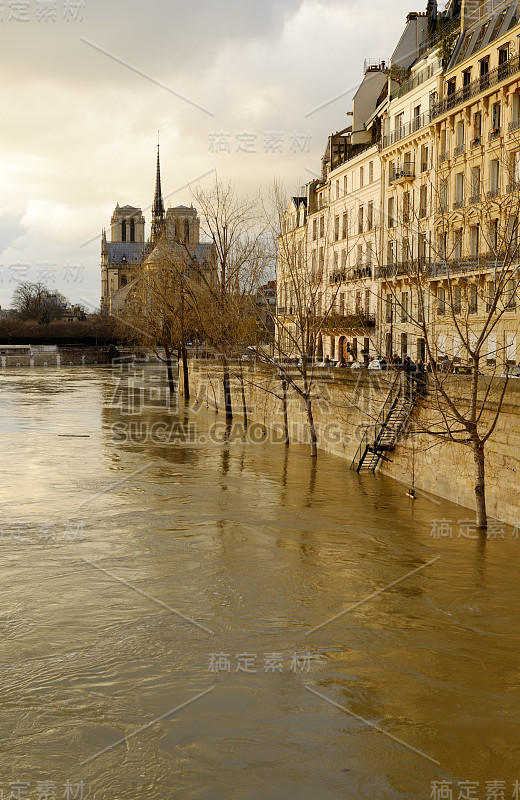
80, 117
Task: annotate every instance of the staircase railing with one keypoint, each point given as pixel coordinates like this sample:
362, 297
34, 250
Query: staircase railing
401, 390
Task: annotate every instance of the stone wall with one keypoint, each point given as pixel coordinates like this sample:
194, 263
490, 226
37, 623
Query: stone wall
347, 402
53, 356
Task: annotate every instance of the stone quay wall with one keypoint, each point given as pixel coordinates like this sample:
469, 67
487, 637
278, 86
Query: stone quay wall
347, 402
52, 356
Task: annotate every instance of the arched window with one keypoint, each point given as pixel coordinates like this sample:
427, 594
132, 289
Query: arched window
132, 231
123, 280
186, 230
123, 231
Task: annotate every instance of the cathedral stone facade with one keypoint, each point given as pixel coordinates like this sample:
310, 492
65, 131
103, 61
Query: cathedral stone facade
123, 256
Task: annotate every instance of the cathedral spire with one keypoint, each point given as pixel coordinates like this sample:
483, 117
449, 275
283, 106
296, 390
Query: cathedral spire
158, 205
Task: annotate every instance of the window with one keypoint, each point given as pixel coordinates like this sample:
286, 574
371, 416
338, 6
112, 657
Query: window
123, 231
405, 250
313, 265
406, 207
345, 183
336, 228
492, 348
472, 298
370, 216
441, 300
457, 244
423, 201
391, 218
132, 230
495, 117
511, 348
494, 177
405, 310
477, 127
360, 256
367, 301
466, 77
493, 235
345, 226
474, 237
390, 252
398, 123
342, 304
511, 296
459, 189
361, 176
450, 89
457, 300
443, 198
321, 263
337, 190
417, 118
424, 158
490, 295
444, 142
371, 172
503, 55
460, 136
442, 245
360, 219
475, 184
369, 255
314, 229
404, 345
421, 246
322, 227
389, 308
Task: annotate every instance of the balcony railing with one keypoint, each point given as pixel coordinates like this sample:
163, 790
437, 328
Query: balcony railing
338, 277
444, 157
492, 193
356, 321
482, 84
514, 125
494, 134
436, 269
403, 172
405, 130
513, 187
458, 151
458, 204
475, 142
474, 199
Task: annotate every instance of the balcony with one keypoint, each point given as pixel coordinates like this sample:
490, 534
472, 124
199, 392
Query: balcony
476, 142
513, 187
514, 125
493, 193
404, 172
405, 130
337, 277
443, 157
474, 199
360, 320
494, 134
476, 87
459, 150
458, 204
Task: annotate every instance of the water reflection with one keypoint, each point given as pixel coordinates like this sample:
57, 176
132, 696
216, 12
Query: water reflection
261, 544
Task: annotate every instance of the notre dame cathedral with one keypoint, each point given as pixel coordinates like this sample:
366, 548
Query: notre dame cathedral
123, 255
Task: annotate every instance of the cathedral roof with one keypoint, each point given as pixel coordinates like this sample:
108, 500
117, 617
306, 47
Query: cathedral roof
132, 251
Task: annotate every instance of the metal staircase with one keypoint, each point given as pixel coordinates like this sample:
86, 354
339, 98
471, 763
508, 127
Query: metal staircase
380, 438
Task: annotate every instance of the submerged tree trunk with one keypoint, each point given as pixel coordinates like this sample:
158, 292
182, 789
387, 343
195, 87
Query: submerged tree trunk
227, 389
285, 419
244, 404
185, 373
480, 485
171, 382
312, 428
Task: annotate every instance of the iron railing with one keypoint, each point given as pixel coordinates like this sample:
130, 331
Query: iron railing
477, 86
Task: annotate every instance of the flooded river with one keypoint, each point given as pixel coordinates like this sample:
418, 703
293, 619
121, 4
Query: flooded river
171, 613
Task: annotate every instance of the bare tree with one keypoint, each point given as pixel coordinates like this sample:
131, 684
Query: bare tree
224, 298
452, 296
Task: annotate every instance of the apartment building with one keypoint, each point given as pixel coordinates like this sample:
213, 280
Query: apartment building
412, 231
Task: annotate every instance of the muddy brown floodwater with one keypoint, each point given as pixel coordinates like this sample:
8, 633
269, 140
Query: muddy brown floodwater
163, 606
